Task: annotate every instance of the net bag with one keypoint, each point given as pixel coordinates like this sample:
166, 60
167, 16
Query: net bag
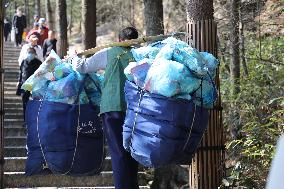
64, 138
159, 130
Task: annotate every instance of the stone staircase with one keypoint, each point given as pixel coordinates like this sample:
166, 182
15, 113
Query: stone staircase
15, 141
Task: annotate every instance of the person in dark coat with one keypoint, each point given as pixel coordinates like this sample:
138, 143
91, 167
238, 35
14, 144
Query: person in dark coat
49, 44
19, 23
28, 66
7, 28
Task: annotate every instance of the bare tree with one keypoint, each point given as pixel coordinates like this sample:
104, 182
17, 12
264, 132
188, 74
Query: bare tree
49, 15
235, 47
242, 42
37, 7
235, 64
88, 23
62, 27
27, 12
153, 12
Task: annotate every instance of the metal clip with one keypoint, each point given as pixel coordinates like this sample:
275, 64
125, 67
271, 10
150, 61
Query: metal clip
44, 166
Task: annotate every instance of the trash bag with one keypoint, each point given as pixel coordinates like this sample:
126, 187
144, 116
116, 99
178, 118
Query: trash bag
137, 71
38, 82
144, 52
163, 77
158, 130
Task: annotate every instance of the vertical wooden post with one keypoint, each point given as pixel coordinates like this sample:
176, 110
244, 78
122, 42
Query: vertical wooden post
207, 169
1, 95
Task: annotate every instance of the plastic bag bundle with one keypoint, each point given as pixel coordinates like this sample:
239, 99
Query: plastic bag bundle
211, 63
192, 59
175, 42
137, 71
56, 81
39, 81
166, 52
176, 71
62, 70
206, 95
145, 52
161, 81
92, 88
64, 90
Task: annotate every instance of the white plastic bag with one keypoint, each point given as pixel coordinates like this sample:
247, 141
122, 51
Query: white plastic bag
13, 35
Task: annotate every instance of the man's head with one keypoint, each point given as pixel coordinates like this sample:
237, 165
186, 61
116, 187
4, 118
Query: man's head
127, 34
51, 34
19, 11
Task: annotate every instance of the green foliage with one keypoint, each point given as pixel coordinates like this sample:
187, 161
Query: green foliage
260, 107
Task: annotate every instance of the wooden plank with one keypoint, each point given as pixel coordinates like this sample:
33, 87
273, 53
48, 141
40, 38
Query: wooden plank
198, 35
193, 35
206, 22
202, 33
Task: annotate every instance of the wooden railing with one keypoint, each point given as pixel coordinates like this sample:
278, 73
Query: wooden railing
207, 169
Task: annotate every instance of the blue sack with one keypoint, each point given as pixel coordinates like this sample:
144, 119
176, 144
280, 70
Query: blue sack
63, 139
158, 130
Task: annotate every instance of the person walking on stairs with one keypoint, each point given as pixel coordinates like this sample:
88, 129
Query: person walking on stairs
113, 106
28, 66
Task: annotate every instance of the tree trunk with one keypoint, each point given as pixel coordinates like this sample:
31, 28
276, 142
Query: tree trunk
235, 54
27, 12
62, 27
153, 12
49, 15
207, 169
242, 41
235, 66
89, 23
37, 7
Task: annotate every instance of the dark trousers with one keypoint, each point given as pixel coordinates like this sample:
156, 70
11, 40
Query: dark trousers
25, 99
125, 168
6, 34
19, 36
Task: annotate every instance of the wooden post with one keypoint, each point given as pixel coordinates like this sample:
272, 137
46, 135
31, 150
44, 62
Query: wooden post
207, 169
1, 95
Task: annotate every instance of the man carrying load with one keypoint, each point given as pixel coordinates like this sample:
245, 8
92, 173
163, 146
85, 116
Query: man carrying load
113, 106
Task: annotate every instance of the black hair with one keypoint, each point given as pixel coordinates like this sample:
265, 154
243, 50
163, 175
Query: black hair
32, 50
128, 33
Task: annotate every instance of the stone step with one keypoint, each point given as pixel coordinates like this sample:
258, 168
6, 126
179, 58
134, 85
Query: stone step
18, 179
16, 130
15, 115
11, 79
15, 151
8, 105
10, 84
11, 123
17, 164
20, 150
15, 140
11, 68
13, 101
